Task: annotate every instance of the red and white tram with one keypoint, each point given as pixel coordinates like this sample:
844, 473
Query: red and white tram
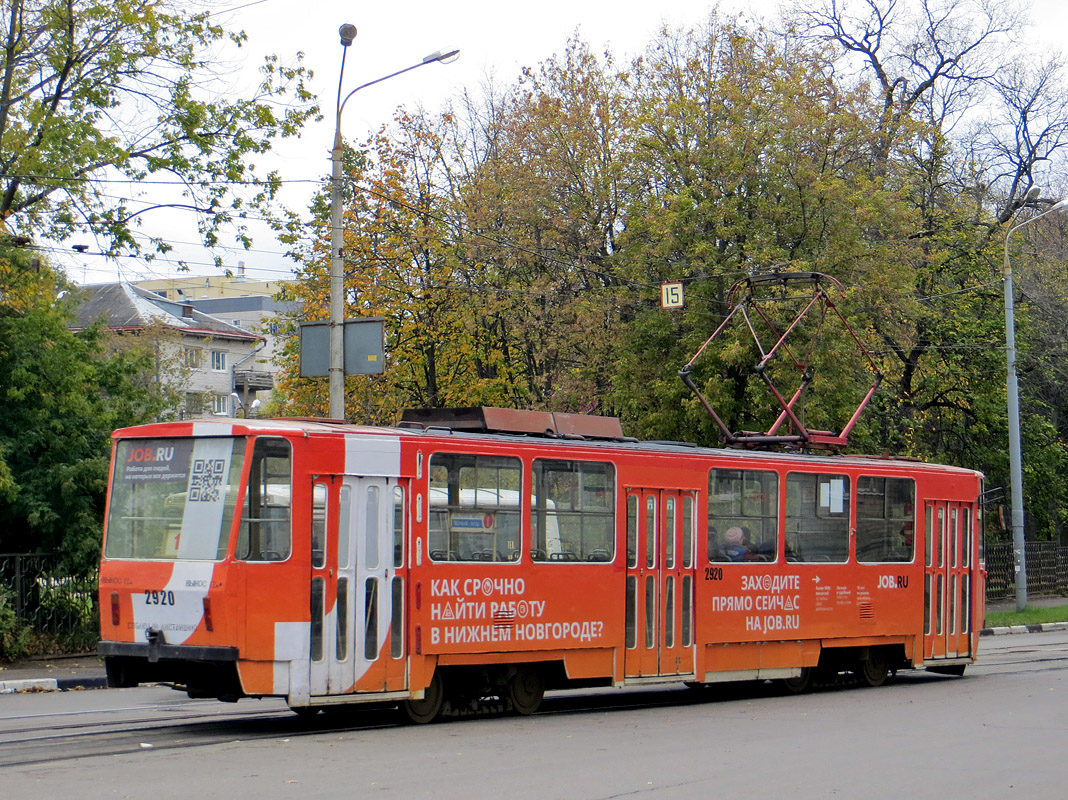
331, 564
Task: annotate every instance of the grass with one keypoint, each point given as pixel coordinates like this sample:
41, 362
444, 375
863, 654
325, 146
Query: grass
1032, 615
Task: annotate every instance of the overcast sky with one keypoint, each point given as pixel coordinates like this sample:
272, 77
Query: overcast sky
495, 39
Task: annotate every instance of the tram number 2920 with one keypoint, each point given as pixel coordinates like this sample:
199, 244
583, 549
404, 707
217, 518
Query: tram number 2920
159, 598
713, 573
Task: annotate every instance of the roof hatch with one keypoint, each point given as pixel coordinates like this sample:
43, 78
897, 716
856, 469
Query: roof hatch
485, 419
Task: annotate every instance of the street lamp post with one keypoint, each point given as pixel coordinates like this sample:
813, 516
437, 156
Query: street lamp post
1013, 391
337, 243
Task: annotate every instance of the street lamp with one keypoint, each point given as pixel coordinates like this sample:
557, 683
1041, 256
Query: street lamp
1013, 391
337, 244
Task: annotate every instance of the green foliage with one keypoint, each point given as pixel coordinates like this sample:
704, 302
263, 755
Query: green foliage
70, 598
1031, 615
130, 87
62, 394
14, 636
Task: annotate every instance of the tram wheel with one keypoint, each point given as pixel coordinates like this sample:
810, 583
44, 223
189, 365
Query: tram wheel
799, 684
427, 709
526, 690
874, 670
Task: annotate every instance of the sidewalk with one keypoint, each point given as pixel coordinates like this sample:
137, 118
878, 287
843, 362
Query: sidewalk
67, 673
58, 673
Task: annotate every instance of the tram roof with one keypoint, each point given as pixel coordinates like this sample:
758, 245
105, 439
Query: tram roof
227, 426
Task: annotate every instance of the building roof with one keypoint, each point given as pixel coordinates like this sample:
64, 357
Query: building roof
124, 306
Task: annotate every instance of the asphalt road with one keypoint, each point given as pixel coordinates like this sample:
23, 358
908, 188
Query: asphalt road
997, 732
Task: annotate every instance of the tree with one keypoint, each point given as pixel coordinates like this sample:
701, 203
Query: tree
928, 57
969, 125
753, 160
399, 264
488, 256
63, 394
124, 89
541, 214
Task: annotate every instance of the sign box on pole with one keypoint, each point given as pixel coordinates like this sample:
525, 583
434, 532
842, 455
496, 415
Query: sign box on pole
364, 344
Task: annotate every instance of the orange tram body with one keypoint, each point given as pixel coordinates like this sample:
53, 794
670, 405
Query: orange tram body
432, 566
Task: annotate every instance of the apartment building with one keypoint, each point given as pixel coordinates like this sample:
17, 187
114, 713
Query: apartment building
221, 368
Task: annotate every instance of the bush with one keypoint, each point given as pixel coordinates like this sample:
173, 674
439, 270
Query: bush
14, 636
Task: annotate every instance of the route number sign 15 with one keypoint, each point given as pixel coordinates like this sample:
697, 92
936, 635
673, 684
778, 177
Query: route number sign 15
671, 295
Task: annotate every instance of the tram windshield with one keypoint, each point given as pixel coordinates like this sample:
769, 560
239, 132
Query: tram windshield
173, 498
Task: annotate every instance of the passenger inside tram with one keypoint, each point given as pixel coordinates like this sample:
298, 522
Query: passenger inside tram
735, 547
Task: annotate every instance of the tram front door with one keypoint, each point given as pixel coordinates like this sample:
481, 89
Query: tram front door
357, 585
659, 588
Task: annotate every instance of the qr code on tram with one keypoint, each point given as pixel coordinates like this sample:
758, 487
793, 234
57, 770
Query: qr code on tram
207, 480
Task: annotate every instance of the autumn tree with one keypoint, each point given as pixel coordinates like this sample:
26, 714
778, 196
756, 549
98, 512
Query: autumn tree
399, 265
541, 213
485, 243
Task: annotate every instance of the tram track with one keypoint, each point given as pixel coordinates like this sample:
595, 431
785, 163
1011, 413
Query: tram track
26, 740
33, 739
80, 728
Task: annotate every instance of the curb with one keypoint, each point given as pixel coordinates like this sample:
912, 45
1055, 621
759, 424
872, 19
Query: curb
53, 684
1044, 627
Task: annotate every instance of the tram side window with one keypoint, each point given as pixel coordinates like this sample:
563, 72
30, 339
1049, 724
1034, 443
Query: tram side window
817, 517
572, 514
475, 507
885, 519
266, 530
743, 515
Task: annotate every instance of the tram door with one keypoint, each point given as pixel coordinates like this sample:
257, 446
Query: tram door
659, 588
358, 638
949, 562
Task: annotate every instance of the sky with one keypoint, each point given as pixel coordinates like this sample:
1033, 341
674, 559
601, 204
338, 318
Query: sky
496, 39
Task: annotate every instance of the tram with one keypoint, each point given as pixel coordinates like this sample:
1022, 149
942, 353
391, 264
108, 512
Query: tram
486, 555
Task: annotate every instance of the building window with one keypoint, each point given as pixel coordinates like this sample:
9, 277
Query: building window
194, 404
218, 361
220, 404
192, 357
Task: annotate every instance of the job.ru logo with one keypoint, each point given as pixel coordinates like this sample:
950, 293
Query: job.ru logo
141, 455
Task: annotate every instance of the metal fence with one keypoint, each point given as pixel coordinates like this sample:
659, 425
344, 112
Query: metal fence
48, 599
1047, 569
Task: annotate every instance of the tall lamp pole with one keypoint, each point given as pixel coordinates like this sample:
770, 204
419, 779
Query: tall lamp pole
337, 242
1013, 391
